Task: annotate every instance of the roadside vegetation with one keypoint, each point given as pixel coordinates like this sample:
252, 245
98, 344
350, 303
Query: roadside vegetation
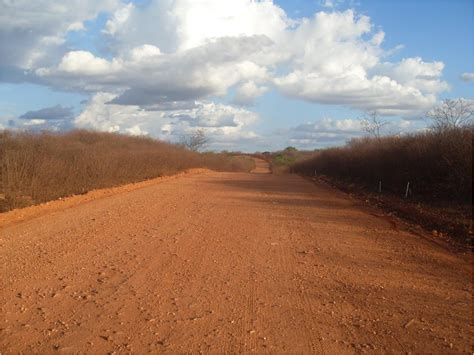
425, 177
433, 165
282, 161
39, 167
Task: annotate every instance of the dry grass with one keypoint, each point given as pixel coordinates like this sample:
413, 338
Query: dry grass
40, 167
437, 165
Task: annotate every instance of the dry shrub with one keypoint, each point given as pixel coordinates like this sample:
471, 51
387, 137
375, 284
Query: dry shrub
438, 165
40, 167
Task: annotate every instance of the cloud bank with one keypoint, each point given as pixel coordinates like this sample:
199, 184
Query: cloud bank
168, 63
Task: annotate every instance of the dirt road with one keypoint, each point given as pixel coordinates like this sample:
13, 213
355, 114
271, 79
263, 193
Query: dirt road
228, 262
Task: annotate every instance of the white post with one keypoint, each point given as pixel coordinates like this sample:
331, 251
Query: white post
407, 190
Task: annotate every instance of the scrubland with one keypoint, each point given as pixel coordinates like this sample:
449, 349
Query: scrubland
38, 167
427, 177
437, 164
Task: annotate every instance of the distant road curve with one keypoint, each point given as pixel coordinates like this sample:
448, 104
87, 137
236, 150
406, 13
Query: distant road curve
261, 167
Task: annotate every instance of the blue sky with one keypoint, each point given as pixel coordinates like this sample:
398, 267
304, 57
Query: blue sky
254, 75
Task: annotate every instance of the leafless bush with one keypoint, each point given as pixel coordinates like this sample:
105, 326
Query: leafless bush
451, 114
195, 141
39, 167
438, 165
372, 123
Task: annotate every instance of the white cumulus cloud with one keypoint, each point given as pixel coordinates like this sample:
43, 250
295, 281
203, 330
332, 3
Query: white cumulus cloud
198, 51
323, 132
225, 125
248, 92
146, 76
33, 33
333, 63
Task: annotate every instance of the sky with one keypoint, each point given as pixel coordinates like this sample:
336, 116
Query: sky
254, 75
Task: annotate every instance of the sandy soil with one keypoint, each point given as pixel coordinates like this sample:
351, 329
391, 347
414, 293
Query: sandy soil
229, 262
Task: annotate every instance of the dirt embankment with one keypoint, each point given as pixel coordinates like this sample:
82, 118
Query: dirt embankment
229, 262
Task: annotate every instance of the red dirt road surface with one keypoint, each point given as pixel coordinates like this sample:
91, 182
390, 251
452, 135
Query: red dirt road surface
228, 262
